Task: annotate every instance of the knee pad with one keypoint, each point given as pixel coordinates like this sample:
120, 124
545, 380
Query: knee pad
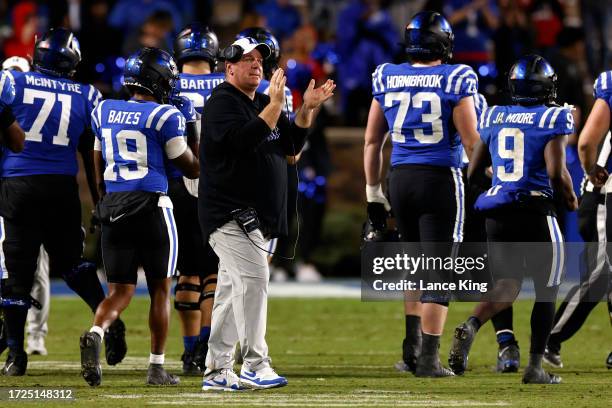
188, 287
210, 294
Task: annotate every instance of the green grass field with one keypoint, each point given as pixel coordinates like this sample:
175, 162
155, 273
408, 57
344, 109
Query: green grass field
334, 352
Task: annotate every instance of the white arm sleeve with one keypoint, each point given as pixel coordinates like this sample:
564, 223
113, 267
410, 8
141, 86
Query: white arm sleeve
175, 147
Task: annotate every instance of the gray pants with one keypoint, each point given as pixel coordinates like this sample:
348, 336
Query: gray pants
241, 299
37, 319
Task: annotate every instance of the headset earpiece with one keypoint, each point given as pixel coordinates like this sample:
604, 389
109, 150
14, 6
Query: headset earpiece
233, 53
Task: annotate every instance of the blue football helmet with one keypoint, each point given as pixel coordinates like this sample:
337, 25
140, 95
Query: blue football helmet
532, 80
152, 70
57, 53
197, 42
429, 37
264, 36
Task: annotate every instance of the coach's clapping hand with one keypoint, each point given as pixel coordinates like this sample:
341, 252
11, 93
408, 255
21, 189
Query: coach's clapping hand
277, 87
313, 98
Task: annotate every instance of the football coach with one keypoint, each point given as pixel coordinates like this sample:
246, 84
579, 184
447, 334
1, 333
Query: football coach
243, 204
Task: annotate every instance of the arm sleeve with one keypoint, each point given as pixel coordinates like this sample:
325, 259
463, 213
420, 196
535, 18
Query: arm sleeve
172, 133
223, 121
563, 123
93, 97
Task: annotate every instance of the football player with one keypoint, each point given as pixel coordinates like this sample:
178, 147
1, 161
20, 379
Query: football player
596, 127
133, 140
428, 106
37, 318
39, 200
11, 135
526, 143
195, 50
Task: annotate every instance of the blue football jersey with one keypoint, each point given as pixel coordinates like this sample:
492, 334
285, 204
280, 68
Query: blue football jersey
135, 138
418, 104
198, 89
53, 112
7, 89
603, 87
264, 88
516, 137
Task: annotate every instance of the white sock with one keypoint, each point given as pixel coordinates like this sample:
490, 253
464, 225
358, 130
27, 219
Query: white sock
98, 330
156, 358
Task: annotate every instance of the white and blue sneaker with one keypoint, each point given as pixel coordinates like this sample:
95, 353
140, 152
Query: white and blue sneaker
223, 380
261, 379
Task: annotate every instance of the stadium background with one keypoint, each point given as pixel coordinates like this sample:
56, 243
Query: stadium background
343, 40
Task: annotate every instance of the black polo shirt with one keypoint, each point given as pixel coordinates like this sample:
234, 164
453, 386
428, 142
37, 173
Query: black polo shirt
242, 161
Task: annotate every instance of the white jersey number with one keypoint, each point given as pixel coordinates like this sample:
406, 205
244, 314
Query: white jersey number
137, 156
516, 154
49, 99
433, 118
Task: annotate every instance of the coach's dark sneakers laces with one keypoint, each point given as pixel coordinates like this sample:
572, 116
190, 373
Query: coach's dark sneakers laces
156, 375
537, 375
552, 358
508, 359
190, 366
462, 342
410, 353
91, 343
16, 363
114, 342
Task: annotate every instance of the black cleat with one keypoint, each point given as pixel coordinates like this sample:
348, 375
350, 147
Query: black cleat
91, 343
508, 359
430, 366
156, 375
16, 363
410, 353
534, 375
3, 343
190, 366
609, 361
199, 354
114, 342
552, 358
460, 349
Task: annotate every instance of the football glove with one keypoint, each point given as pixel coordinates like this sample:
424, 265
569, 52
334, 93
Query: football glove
185, 106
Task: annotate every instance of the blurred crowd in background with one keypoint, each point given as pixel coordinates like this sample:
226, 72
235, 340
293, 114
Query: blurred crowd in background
344, 40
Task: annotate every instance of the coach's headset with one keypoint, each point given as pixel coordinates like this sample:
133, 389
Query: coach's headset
234, 52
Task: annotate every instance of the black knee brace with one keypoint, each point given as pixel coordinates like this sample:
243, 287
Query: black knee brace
210, 294
188, 287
